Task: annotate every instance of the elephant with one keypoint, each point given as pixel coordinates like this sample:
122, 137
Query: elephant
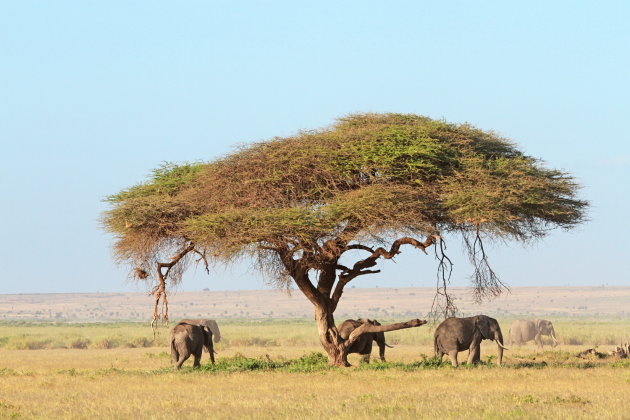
523, 330
189, 340
363, 345
458, 334
211, 324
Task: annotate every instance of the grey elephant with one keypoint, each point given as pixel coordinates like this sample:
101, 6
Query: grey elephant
363, 345
523, 330
189, 337
211, 324
458, 334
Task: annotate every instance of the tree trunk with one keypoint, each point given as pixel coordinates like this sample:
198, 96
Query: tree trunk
336, 347
329, 337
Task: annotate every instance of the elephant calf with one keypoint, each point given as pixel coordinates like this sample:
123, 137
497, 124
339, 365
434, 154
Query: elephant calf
363, 345
523, 330
458, 334
189, 338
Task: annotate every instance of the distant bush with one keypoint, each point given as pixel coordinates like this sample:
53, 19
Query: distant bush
80, 343
105, 343
23, 342
312, 362
140, 342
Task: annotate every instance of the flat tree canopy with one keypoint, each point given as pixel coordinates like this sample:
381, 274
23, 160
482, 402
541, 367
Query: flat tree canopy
369, 181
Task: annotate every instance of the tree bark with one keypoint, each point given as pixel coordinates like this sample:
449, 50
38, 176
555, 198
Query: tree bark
336, 347
325, 300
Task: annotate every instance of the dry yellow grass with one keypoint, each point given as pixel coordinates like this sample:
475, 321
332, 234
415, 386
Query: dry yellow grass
126, 383
61, 382
102, 387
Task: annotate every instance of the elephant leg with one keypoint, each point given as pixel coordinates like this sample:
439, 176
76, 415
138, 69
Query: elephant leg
473, 354
453, 356
365, 358
174, 355
538, 341
477, 354
182, 359
197, 356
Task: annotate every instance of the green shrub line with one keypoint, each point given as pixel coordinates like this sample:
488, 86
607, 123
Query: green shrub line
318, 362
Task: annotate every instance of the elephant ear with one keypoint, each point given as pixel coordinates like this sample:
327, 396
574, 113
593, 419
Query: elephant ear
539, 324
483, 324
214, 329
206, 338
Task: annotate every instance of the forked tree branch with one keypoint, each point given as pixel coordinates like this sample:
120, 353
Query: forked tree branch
159, 291
360, 267
299, 272
202, 257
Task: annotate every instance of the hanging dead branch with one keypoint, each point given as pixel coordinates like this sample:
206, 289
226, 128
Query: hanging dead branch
443, 305
486, 284
159, 292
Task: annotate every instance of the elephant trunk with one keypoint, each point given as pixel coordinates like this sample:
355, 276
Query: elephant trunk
553, 337
380, 339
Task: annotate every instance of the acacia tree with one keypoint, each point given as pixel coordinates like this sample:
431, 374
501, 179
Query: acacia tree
370, 183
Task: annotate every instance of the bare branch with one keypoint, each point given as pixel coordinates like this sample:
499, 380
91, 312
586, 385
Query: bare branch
343, 268
159, 291
371, 328
360, 247
202, 257
486, 283
360, 267
443, 305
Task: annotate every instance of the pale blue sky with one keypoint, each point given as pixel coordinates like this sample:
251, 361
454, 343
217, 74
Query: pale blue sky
95, 95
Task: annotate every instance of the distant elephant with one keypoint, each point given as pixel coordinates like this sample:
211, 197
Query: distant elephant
523, 330
363, 345
458, 334
189, 340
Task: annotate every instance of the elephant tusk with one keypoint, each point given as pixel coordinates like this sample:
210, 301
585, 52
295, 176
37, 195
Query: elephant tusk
501, 345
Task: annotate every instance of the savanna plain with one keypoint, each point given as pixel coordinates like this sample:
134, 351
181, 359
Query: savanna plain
61, 358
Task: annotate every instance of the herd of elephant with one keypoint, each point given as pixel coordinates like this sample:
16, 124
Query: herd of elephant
191, 336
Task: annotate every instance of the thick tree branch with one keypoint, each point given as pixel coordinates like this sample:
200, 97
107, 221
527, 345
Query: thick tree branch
360, 267
360, 247
371, 328
299, 272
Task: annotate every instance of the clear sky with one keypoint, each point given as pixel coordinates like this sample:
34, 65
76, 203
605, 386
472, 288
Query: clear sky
93, 95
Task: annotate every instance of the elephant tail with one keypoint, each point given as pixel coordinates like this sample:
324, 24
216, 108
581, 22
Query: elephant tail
174, 352
435, 345
391, 347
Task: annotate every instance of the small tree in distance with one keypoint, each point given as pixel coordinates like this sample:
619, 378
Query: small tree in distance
370, 183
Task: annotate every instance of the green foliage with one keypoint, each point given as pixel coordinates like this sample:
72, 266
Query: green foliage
308, 363
167, 179
367, 177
